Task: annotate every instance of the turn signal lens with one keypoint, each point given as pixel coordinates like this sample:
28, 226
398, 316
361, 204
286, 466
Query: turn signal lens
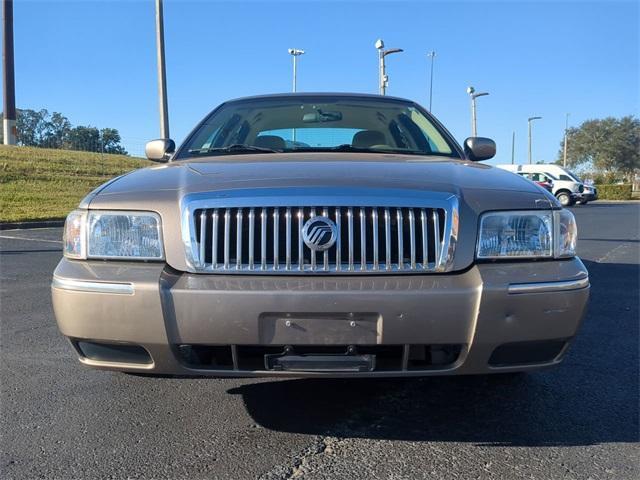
74, 235
566, 233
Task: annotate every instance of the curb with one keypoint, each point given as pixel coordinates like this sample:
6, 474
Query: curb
27, 225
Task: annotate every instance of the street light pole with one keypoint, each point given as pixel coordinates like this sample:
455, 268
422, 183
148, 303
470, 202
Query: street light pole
432, 56
295, 73
566, 127
383, 78
162, 72
381, 72
529, 120
473, 95
8, 78
295, 53
513, 148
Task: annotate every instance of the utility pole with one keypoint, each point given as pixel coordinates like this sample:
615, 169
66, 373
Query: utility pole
513, 148
566, 128
529, 120
473, 95
432, 55
9, 86
295, 53
383, 78
162, 72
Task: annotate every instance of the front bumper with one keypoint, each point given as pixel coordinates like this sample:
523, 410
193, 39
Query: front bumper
588, 196
467, 323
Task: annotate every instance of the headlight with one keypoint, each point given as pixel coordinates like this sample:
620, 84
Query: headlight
527, 234
113, 235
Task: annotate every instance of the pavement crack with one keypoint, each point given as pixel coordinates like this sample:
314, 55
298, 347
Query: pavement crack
300, 463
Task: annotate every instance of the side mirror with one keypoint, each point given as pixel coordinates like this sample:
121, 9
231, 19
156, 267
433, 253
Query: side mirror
160, 150
479, 148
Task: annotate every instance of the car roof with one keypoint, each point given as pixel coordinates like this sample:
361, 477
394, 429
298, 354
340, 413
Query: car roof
536, 167
321, 94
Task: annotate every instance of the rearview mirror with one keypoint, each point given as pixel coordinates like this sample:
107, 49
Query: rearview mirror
321, 116
479, 148
160, 150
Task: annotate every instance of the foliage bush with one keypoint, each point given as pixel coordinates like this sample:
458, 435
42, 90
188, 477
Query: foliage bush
606, 178
614, 192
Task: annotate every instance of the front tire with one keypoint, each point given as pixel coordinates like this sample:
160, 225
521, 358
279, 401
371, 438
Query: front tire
565, 199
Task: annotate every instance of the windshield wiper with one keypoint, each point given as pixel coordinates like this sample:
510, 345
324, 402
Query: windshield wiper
235, 148
347, 147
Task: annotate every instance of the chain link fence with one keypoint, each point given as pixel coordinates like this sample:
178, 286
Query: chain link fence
72, 159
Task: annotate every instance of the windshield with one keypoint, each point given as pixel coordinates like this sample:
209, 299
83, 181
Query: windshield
318, 123
574, 176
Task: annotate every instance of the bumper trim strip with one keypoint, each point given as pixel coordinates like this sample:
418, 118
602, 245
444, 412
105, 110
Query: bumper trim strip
548, 287
95, 287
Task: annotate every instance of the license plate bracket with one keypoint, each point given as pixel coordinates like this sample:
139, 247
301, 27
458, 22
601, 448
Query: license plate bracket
320, 363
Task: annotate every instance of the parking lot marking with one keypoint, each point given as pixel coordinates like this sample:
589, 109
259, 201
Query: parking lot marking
31, 239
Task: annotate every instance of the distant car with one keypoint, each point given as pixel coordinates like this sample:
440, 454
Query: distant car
547, 185
567, 187
542, 181
318, 235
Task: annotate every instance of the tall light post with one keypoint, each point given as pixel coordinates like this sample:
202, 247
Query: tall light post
432, 56
473, 95
383, 78
513, 148
162, 72
529, 120
295, 53
8, 79
566, 128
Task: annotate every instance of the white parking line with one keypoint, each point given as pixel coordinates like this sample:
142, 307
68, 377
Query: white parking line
31, 239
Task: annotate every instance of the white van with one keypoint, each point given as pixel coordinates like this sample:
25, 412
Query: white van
567, 187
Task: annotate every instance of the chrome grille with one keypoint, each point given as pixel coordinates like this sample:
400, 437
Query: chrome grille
369, 239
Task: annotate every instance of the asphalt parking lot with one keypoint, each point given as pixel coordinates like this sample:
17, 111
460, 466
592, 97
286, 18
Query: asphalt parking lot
580, 420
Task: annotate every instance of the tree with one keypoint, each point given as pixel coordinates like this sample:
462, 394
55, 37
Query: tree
31, 127
83, 138
110, 138
610, 145
57, 130
41, 129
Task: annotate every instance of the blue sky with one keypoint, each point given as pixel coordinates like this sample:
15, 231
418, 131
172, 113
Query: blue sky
94, 61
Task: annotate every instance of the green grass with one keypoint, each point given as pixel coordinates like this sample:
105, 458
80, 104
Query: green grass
44, 184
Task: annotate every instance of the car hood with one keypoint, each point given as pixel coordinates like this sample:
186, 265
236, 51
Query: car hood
474, 182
